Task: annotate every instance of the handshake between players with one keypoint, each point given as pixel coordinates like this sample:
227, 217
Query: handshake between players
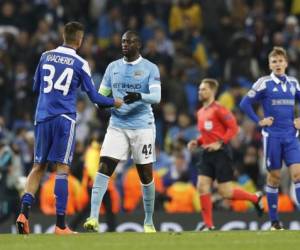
131, 97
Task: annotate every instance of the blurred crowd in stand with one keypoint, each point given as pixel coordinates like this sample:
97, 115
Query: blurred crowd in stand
188, 39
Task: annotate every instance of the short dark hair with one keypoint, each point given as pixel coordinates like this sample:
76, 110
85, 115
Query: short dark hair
213, 83
278, 51
70, 31
135, 34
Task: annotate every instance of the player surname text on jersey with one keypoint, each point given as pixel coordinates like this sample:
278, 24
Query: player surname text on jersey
283, 102
60, 59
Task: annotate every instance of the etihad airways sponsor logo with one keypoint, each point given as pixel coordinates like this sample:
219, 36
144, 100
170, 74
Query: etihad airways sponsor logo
128, 86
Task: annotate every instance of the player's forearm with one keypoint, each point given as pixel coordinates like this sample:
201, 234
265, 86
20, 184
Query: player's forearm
100, 99
246, 107
153, 97
230, 133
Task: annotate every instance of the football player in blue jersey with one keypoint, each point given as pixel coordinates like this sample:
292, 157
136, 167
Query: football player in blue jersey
277, 94
59, 74
131, 130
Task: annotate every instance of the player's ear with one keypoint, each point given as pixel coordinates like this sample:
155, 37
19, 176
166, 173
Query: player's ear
79, 38
270, 66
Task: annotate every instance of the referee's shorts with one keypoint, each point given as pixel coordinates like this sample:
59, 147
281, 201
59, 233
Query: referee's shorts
216, 165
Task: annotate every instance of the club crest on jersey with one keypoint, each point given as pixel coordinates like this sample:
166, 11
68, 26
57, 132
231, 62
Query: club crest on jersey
208, 125
251, 93
138, 73
293, 90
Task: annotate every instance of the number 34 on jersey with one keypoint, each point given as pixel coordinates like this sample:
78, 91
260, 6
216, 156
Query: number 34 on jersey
62, 83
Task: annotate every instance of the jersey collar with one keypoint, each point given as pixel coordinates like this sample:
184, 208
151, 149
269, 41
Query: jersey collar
210, 105
276, 79
66, 49
133, 62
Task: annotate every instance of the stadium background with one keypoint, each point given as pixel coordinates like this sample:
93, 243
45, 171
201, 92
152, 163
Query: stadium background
188, 40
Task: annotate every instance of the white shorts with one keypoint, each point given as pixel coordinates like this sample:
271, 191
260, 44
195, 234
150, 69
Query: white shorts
122, 143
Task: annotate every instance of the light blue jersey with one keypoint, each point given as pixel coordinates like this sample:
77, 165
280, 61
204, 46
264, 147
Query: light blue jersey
140, 76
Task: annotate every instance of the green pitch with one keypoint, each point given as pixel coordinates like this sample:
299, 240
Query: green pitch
233, 240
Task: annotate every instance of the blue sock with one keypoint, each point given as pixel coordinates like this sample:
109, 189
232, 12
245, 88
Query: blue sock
26, 203
148, 200
272, 197
61, 194
297, 191
98, 191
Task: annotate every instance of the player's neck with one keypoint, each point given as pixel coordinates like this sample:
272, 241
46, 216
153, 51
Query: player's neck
70, 46
208, 102
131, 58
280, 75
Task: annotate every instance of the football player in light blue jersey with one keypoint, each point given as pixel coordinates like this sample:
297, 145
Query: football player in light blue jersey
131, 130
58, 75
277, 93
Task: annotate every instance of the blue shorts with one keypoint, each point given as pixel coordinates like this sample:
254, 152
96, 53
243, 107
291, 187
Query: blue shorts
279, 149
55, 140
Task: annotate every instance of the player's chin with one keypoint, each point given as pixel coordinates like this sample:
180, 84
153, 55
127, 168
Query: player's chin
125, 52
279, 71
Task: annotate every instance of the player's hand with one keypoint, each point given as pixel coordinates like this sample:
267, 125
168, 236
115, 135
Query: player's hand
297, 123
132, 97
192, 145
118, 103
215, 146
266, 122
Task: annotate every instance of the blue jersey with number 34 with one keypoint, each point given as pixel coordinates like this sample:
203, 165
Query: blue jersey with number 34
58, 75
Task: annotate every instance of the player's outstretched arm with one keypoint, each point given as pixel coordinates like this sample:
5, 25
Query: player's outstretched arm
97, 98
118, 103
101, 100
153, 97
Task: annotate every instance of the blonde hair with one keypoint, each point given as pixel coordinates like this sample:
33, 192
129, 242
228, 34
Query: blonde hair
213, 83
278, 51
